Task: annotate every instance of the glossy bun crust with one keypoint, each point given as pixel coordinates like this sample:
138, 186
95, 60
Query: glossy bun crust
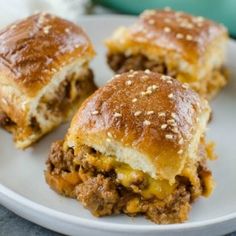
146, 115
179, 32
33, 49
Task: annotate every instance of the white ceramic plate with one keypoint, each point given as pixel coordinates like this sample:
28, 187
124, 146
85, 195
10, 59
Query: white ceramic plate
24, 191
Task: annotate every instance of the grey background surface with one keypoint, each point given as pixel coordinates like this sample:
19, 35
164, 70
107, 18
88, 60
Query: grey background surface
13, 225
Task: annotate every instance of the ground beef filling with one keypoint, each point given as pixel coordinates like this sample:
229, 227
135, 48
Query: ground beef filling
121, 63
208, 87
57, 105
8, 124
99, 191
65, 94
5, 120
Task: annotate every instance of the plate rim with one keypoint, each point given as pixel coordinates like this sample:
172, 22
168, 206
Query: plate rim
26, 204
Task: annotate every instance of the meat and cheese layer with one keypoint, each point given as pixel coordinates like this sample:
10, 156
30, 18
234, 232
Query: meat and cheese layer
106, 186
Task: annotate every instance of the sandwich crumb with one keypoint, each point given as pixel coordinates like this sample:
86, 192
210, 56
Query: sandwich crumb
180, 151
117, 114
167, 29
150, 112
137, 113
161, 114
128, 82
146, 122
169, 136
164, 126
95, 112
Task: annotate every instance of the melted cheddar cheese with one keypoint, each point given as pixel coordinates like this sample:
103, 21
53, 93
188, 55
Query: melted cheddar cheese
153, 187
136, 180
142, 183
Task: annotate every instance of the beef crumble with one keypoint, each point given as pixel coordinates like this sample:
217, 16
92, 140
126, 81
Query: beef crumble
121, 63
54, 104
99, 194
208, 87
5, 120
102, 194
57, 103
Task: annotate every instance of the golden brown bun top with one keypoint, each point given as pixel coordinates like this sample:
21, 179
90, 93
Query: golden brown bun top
33, 49
187, 34
144, 111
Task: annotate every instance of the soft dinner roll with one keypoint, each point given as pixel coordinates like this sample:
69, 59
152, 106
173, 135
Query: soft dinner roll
44, 75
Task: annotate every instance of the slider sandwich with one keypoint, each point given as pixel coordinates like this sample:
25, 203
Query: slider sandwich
188, 48
44, 75
136, 146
